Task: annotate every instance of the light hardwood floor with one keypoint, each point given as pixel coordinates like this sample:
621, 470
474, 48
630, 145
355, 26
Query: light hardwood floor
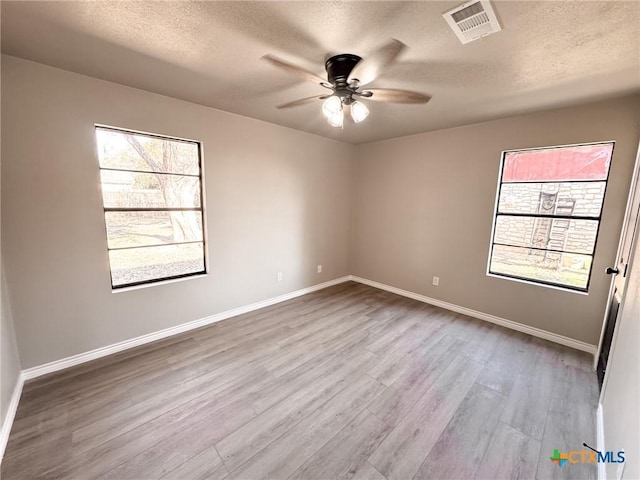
347, 382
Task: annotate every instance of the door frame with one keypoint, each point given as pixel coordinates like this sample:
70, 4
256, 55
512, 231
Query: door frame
630, 226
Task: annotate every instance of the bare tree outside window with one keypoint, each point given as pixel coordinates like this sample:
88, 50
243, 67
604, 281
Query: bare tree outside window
152, 195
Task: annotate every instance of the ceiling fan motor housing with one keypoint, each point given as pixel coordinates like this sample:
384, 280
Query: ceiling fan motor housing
339, 67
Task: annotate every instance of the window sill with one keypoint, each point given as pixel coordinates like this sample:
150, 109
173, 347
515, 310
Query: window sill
530, 282
155, 284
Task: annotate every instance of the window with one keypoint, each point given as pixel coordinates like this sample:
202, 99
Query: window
548, 211
152, 197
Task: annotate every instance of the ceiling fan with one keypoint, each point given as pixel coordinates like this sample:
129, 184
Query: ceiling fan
346, 75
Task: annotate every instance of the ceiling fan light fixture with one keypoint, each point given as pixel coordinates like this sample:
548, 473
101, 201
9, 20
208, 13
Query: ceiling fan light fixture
359, 111
332, 106
336, 119
346, 75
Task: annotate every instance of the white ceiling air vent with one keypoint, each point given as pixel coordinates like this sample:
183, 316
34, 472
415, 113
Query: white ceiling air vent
473, 20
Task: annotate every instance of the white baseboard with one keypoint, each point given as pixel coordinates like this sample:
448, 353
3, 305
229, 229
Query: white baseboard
10, 415
61, 364
57, 365
602, 468
536, 332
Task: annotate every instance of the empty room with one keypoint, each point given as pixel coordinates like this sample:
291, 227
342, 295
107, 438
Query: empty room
317, 240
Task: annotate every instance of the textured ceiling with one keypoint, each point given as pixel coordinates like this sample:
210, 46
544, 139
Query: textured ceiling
548, 54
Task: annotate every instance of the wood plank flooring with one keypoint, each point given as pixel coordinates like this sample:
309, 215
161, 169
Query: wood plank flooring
349, 382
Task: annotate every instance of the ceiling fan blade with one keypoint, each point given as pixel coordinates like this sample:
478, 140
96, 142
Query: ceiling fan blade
367, 70
393, 95
294, 69
303, 101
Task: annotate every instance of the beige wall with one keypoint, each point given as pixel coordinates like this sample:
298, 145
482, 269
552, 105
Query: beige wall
423, 207
276, 200
621, 397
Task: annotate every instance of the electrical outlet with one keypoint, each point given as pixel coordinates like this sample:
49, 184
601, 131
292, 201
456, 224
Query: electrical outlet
319, 268
436, 281
279, 276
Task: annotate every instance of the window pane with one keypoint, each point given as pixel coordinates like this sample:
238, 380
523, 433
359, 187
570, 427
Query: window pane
577, 236
558, 268
121, 189
583, 199
128, 151
155, 263
131, 229
537, 187
582, 162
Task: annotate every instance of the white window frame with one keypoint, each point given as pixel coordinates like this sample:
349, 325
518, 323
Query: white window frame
496, 214
201, 209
